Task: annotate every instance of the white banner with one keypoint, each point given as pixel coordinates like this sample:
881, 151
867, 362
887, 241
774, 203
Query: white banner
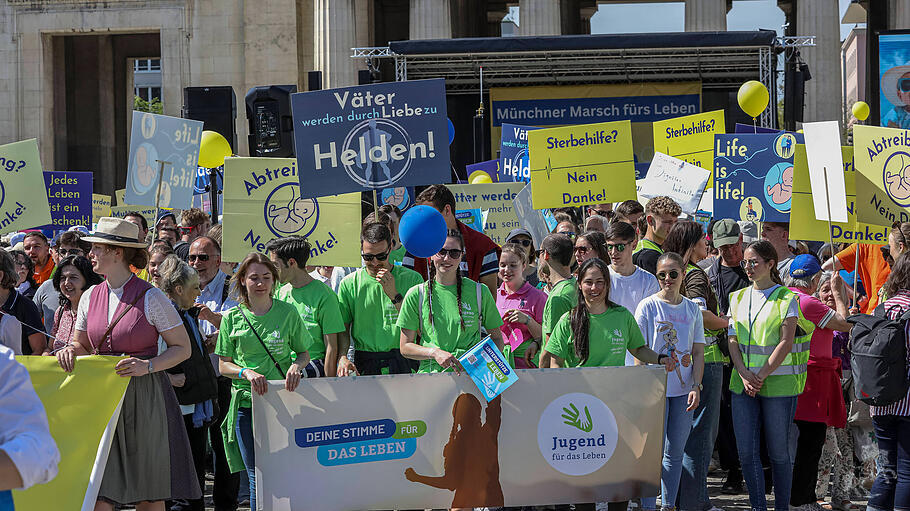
431, 441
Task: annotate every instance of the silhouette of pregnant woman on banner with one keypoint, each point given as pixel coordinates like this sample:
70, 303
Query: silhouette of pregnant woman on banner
471, 456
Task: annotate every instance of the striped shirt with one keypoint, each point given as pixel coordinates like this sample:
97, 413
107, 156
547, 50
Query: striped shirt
895, 306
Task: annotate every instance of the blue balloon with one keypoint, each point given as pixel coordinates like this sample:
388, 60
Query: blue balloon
451, 131
422, 231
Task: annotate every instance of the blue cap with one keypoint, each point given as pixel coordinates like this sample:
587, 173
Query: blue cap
804, 266
17, 238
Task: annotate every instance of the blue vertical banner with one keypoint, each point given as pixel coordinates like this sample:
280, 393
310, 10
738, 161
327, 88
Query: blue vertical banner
155, 138
69, 196
371, 137
513, 153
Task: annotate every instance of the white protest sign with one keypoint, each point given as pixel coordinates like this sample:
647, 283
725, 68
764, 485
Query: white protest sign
823, 153
681, 181
530, 218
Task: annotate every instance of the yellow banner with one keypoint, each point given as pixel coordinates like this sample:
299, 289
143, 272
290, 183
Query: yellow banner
882, 161
494, 198
262, 201
79, 407
146, 211
803, 224
101, 206
586, 164
690, 138
20, 206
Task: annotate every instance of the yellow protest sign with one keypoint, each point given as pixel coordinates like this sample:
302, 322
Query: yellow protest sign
101, 206
803, 224
578, 165
120, 196
20, 176
262, 201
146, 211
882, 158
496, 200
690, 138
78, 413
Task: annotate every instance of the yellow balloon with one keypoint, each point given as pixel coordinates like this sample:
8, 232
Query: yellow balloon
799, 130
861, 110
753, 98
213, 149
483, 177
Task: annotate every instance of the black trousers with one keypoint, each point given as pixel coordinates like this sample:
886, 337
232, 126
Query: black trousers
805, 467
224, 494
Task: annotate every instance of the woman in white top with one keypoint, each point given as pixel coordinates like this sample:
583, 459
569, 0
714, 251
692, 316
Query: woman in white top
672, 325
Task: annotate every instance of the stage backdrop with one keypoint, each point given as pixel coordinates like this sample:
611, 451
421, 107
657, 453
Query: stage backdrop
431, 441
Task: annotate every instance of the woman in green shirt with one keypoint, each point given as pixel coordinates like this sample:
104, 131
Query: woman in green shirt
432, 310
255, 343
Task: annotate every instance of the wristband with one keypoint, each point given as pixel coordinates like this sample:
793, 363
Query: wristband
240, 374
151, 368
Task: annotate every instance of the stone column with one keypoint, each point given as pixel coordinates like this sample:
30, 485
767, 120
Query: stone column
333, 39
821, 18
706, 15
898, 14
430, 19
539, 17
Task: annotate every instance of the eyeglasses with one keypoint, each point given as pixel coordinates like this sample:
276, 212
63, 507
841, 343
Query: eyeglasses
70, 251
749, 263
581, 250
452, 253
201, 257
379, 257
524, 243
618, 246
570, 234
662, 275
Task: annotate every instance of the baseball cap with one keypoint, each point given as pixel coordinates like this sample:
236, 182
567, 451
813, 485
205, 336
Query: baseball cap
517, 232
804, 266
725, 232
749, 231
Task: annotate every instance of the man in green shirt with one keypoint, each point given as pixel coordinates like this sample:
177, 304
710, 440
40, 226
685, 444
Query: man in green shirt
556, 251
370, 299
316, 302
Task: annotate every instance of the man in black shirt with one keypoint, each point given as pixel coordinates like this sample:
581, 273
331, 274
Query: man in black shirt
660, 214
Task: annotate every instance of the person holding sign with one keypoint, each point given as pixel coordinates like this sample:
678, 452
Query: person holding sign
660, 214
521, 306
73, 276
449, 323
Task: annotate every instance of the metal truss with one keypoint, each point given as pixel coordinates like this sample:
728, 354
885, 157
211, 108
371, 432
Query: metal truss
766, 76
372, 52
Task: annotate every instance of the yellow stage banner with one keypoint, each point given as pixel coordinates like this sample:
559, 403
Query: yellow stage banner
578, 165
101, 206
496, 200
20, 206
82, 409
262, 201
882, 158
803, 224
690, 138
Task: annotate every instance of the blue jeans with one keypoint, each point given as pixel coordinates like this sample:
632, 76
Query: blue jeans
701, 442
677, 425
247, 448
773, 418
891, 489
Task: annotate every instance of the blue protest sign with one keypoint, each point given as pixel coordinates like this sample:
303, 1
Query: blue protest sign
155, 138
371, 136
753, 176
748, 128
401, 196
200, 185
491, 167
513, 153
69, 195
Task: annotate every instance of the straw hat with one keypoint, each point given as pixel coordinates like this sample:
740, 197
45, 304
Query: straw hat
116, 232
889, 83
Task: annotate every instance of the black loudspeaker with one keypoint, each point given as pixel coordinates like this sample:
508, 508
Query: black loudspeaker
314, 80
795, 78
214, 106
268, 110
364, 77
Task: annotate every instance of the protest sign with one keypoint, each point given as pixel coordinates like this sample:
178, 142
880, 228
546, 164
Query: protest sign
593, 444
82, 427
20, 177
491, 167
803, 223
155, 138
496, 200
69, 197
578, 165
531, 219
371, 136
680, 180
882, 158
262, 201
513, 153
690, 138
147, 212
748, 128
119, 195
475, 218
101, 206
825, 170
400, 196
753, 176
488, 368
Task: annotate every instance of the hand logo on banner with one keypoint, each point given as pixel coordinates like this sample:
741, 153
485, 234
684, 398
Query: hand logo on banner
286, 214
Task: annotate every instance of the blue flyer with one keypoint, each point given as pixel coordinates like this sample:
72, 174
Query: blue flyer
513, 153
489, 369
473, 218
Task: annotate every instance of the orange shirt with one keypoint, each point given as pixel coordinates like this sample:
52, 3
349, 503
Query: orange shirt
43, 274
873, 270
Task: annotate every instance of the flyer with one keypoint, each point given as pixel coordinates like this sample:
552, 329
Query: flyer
489, 369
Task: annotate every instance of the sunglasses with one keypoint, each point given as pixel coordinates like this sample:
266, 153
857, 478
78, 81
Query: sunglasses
904, 84
524, 243
662, 275
581, 250
620, 247
378, 257
749, 263
452, 253
201, 257
570, 234
70, 251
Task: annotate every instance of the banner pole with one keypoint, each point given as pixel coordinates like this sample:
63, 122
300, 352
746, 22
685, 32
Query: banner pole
375, 207
161, 165
828, 204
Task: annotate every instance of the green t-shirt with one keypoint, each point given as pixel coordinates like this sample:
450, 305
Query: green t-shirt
397, 256
281, 329
319, 309
562, 298
445, 332
371, 314
611, 334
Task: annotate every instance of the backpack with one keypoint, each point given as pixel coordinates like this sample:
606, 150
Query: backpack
878, 357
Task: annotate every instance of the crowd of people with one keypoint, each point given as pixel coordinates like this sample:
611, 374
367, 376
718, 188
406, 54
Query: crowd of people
751, 330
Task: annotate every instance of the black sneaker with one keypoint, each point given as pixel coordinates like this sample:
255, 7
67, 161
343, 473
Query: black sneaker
733, 484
